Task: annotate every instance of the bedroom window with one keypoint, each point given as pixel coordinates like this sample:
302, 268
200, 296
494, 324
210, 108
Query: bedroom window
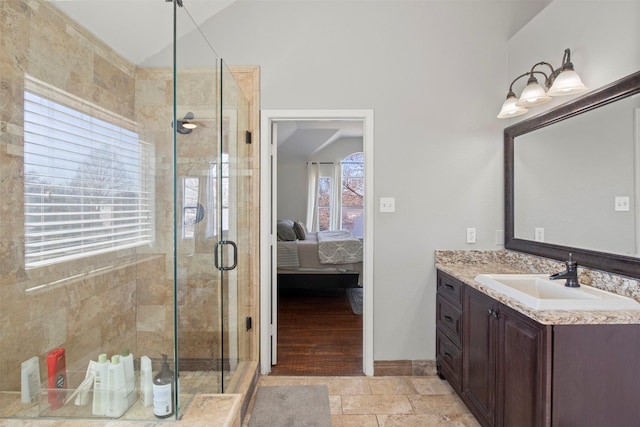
352, 193
324, 203
88, 179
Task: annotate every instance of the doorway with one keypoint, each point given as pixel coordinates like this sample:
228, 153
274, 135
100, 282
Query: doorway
270, 120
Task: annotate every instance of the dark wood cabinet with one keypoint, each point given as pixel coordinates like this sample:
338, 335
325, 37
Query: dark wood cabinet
449, 330
513, 371
524, 368
479, 356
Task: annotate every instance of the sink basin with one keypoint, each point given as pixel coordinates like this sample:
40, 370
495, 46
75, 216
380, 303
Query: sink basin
539, 292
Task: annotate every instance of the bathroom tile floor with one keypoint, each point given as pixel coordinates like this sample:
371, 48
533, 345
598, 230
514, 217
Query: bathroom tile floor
385, 401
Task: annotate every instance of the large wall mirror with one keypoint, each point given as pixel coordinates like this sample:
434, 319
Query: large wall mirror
572, 180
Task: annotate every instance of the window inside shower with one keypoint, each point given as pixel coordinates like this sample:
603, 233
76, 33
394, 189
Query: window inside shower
87, 179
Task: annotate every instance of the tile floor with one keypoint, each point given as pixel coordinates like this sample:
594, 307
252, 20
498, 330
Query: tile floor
385, 401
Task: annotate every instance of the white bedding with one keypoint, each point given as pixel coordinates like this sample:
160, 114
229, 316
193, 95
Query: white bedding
288, 254
339, 247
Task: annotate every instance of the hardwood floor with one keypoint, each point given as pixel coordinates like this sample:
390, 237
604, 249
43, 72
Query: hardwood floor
318, 334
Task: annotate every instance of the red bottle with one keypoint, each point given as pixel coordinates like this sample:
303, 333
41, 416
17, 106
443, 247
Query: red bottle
57, 375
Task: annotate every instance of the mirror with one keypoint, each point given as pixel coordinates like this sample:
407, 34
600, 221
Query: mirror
572, 180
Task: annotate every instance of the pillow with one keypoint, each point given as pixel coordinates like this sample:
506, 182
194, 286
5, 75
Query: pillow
300, 229
285, 230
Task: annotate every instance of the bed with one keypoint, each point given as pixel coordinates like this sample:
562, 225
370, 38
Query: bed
315, 255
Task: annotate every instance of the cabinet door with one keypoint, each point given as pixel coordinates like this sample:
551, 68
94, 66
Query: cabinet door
523, 370
479, 345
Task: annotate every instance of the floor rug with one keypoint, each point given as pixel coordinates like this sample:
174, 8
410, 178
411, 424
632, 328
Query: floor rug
291, 406
355, 299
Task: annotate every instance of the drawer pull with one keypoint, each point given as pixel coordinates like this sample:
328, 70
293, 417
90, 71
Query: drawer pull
449, 287
494, 313
448, 355
448, 319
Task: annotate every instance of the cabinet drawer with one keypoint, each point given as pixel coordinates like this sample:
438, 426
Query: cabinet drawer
449, 319
450, 288
449, 359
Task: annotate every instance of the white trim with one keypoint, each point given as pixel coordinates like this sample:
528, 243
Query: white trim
267, 117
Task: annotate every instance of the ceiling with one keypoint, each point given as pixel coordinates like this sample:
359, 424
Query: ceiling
298, 140
138, 29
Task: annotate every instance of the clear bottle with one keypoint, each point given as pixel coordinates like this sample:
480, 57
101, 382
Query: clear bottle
146, 382
100, 385
163, 391
126, 359
116, 389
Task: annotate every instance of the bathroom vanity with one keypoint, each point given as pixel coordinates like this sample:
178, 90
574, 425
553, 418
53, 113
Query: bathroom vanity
518, 367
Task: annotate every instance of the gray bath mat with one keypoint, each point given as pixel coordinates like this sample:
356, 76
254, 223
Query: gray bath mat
355, 299
291, 406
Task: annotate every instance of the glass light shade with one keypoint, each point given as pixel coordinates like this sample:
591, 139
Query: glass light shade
188, 125
533, 94
568, 82
510, 109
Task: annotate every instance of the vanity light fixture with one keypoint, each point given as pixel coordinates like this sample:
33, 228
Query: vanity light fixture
561, 81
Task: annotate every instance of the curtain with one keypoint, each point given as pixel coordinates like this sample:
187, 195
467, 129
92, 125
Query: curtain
313, 175
315, 171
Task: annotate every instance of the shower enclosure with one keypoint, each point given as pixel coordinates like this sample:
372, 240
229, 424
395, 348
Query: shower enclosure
128, 216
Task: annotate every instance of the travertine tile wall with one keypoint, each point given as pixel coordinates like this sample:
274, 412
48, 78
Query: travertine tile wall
68, 305
129, 302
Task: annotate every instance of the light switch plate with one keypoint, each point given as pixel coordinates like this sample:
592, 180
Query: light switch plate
622, 203
387, 204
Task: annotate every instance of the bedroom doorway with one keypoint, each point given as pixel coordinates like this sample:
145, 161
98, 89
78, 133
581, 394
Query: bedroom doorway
325, 126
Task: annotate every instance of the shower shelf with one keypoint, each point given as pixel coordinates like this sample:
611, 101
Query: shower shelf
67, 401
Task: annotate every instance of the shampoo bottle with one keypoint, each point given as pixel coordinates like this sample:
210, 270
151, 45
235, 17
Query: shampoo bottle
100, 385
146, 382
163, 391
129, 374
57, 377
116, 389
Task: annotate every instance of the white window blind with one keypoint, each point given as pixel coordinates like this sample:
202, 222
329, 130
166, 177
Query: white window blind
88, 179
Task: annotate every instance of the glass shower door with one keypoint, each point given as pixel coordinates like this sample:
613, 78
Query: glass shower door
233, 204
212, 216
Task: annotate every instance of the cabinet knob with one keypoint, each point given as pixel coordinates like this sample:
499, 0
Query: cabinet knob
493, 313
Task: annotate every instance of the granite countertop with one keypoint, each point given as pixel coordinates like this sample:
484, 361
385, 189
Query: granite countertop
465, 265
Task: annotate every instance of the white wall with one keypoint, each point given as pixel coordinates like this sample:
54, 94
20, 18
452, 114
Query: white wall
435, 74
440, 157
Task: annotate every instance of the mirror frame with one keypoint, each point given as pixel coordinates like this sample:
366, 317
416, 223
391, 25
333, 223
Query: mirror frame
613, 263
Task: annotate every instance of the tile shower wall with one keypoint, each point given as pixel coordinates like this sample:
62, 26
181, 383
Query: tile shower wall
105, 303
86, 305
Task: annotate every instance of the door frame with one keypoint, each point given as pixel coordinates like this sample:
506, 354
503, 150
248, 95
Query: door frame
268, 180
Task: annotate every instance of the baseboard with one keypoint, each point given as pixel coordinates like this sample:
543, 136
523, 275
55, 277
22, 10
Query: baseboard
407, 368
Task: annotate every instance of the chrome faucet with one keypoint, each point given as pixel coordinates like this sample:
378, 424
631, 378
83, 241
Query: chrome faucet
571, 274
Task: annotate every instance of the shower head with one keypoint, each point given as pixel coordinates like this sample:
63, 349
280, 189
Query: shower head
184, 125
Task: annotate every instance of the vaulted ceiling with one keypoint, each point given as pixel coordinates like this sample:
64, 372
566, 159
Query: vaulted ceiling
138, 29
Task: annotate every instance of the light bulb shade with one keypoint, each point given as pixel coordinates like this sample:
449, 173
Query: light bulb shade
568, 82
189, 125
533, 94
510, 109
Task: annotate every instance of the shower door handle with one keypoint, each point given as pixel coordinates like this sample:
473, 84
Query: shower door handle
219, 246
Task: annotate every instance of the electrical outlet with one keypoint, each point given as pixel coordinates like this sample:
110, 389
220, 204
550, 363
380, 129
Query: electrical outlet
471, 235
622, 203
539, 234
